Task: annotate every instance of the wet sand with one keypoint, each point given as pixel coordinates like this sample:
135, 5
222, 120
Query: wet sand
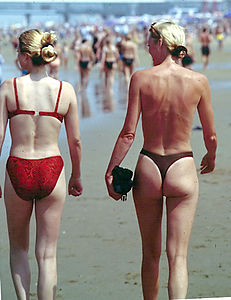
99, 250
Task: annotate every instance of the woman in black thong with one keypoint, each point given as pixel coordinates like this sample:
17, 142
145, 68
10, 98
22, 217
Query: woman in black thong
85, 57
166, 95
35, 105
109, 60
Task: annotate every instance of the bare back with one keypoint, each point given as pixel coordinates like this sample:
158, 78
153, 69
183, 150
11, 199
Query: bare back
35, 136
205, 38
110, 52
129, 49
85, 53
169, 96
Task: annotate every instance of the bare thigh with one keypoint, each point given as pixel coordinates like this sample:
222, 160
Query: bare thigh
18, 216
48, 212
181, 190
147, 194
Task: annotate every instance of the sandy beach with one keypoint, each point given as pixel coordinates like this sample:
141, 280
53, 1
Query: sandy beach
99, 250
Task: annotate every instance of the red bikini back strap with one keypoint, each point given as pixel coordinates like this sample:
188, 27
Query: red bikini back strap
16, 93
57, 102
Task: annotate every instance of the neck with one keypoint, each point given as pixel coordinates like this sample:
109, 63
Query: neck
168, 59
38, 72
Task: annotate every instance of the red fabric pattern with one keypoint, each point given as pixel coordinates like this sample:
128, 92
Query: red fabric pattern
34, 178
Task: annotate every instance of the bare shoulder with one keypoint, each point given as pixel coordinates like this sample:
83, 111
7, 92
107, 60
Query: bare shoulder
6, 87
6, 84
68, 90
200, 79
195, 78
67, 86
137, 77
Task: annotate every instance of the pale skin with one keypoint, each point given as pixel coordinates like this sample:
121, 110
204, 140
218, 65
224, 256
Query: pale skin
167, 95
37, 137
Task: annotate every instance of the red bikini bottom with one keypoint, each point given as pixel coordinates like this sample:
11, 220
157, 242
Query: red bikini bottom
34, 178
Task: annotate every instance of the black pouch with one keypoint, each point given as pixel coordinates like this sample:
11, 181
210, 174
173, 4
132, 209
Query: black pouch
122, 181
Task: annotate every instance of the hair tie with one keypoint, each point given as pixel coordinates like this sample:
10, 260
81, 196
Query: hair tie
46, 45
177, 51
155, 33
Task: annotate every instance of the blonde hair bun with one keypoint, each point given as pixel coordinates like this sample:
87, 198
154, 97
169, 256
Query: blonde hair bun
48, 53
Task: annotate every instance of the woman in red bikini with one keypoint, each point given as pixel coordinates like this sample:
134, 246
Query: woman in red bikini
36, 105
166, 96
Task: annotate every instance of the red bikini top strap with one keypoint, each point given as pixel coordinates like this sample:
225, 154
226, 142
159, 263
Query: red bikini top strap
16, 93
57, 102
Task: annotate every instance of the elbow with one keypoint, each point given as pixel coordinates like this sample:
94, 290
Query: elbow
127, 137
76, 143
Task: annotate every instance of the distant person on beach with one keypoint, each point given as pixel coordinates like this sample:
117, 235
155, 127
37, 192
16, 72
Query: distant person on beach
110, 56
86, 58
166, 96
205, 39
129, 57
36, 105
219, 32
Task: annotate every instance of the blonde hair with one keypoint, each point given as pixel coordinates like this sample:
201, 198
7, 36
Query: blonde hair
39, 45
173, 37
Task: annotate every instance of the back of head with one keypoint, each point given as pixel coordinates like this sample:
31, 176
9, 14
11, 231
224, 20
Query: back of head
39, 45
173, 37
128, 37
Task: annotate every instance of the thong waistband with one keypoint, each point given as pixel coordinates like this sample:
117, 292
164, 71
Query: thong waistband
163, 162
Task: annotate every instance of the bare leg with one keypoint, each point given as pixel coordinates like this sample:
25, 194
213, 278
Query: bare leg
18, 220
48, 218
205, 61
109, 78
127, 74
181, 202
86, 75
81, 77
147, 195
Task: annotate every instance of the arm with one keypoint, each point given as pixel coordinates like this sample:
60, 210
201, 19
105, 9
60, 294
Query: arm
74, 142
209, 133
103, 58
127, 134
3, 117
92, 56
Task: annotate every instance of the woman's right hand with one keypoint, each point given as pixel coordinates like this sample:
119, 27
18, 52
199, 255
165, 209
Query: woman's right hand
207, 163
75, 186
111, 191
